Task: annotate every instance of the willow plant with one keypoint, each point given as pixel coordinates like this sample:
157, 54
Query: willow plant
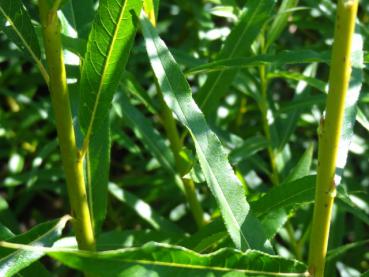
177, 141
330, 133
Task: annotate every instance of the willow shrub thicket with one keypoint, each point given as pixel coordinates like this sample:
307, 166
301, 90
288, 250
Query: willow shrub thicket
184, 138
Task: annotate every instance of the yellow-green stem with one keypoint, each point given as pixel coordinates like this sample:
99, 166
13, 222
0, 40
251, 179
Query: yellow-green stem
63, 117
264, 107
329, 135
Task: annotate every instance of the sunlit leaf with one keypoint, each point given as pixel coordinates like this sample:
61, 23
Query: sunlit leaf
108, 48
222, 181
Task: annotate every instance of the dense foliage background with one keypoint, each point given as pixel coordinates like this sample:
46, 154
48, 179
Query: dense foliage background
31, 176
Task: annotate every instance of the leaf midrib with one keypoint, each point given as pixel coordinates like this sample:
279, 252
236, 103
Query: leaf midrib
106, 65
238, 227
28, 47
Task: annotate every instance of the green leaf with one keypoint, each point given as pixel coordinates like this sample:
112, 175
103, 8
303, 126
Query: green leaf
81, 21
131, 84
34, 268
108, 48
5, 233
280, 21
303, 103
150, 137
16, 24
350, 111
207, 237
7, 215
284, 57
248, 148
313, 82
278, 215
344, 200
237, 44
303, 166
243, 227
133, 238
287, 195
158, 259
362, 119
45, 234
75, 45
151, 7
339, 251
97, 168
143, 210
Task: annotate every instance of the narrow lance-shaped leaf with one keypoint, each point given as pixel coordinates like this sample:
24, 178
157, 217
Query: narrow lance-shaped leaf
244, 229
237, 44
16, 24
144, 210
45, 234
284, 57
159, 259
35, 268
81, 21
108, 48
150, 137
350, 111
280, 21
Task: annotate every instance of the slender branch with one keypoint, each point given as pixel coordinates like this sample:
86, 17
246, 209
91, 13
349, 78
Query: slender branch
64, 125
329, 135
264, 107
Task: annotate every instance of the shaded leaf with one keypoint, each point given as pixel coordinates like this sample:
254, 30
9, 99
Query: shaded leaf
291, 194
344, 200
44, 234
143, 210
280, 21
339, 251
133, 238
16, 24
237, 44
284, 57
81, 21
248, 148
303, 166
150, 137
97, 168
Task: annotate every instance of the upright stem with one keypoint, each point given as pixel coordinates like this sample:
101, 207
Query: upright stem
264, 107
329, 135
63, 117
